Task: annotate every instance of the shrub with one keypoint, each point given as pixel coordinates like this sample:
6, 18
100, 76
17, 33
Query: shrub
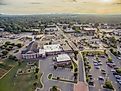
7, 43
5, 52
19, 45
36, 70
109, 59
118, 70
49, 76
108, 84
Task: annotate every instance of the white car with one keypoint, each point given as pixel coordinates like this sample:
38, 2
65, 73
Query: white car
95, 64
101, 78
119, 58
97, 67
119, 82
99, 63
112, 70
118, 76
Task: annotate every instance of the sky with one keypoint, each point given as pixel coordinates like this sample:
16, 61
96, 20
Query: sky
60, 6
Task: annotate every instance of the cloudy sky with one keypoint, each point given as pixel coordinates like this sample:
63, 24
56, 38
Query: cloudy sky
60, 6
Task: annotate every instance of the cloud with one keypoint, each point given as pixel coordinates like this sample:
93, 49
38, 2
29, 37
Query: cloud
116, 4
2, 3
35, 3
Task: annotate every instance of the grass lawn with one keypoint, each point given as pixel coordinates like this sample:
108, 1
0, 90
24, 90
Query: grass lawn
20, 83
74, 65
5, 66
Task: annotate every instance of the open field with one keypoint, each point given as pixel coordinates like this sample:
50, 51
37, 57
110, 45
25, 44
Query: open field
23, 82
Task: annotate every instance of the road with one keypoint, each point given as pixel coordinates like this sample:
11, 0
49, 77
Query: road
79, 57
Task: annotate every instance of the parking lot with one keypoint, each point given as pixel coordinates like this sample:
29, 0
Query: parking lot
99, 72
46, 67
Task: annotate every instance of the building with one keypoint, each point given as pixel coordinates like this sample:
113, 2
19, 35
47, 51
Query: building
51, 28
62, 59
117, 32
31, 51
88, 31
69, 30
107, 31
52, 49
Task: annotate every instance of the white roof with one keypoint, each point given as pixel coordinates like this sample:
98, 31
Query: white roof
51, 28
107, 30
52, 48
63, 57
41, 51
35, 29
88, 29
69, 30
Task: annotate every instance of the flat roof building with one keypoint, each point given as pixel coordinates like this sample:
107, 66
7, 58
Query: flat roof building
52, 48
63, 58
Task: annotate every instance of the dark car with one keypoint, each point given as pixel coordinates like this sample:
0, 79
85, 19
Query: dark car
91, 83
115, 73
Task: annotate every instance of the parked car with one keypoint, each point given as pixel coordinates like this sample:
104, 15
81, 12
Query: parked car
94, 61
119, 82
96, 64
101, 78
117, 76
90, 75
116, 68
97, 67
91, 83
112, 70
103, 71
115, 73
119, 58
110, 65
100, 63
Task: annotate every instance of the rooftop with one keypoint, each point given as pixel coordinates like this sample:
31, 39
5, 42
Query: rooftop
89, 29
32, 47
52, 48
63, 57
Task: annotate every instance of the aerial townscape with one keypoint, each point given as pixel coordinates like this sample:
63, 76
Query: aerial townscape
56, 52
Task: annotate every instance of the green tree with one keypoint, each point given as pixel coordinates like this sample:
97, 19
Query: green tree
36, 70
118, 70
7, 43
36, 76
54, 88
19, 45
5, 52
108, 84
109, 59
